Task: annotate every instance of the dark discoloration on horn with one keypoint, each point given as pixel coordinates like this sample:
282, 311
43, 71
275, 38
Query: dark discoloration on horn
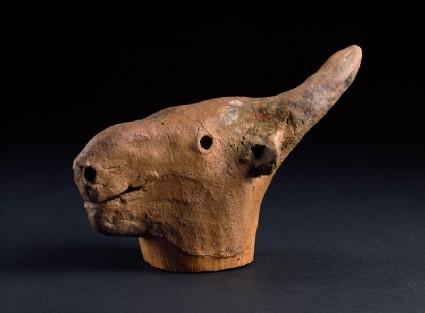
189, 180
301, 108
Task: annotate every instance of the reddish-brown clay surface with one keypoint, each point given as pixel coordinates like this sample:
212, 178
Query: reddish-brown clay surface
189, 180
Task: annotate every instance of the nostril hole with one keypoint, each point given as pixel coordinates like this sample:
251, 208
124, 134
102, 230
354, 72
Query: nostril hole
90, 174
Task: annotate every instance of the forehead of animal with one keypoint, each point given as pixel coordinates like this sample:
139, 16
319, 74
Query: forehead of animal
230, 115
213, 115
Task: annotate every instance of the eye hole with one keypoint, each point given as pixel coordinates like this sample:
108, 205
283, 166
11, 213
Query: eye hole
206, 142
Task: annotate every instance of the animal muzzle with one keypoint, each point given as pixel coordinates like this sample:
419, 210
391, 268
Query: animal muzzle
96, 183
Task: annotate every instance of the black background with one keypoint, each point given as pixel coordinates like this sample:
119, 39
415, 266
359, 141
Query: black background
342, 225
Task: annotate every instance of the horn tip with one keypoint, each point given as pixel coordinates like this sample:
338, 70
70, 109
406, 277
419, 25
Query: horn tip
351, 55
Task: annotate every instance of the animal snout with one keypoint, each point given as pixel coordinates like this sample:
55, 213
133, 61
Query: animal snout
97, 183
91, 182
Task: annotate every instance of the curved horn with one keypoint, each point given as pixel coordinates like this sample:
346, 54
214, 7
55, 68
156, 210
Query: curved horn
304, 106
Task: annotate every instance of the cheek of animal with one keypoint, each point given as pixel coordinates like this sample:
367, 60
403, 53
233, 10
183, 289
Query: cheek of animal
189, 180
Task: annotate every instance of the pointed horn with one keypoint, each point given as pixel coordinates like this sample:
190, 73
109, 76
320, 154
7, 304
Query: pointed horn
304, 106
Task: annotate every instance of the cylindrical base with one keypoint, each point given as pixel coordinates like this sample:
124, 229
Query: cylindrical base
161, 254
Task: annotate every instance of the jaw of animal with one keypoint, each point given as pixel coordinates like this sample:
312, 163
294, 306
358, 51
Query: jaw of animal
189, 180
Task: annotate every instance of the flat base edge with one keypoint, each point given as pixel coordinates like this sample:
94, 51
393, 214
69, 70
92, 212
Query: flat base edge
161, 254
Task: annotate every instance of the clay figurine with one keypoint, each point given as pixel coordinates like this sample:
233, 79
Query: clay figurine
189, 180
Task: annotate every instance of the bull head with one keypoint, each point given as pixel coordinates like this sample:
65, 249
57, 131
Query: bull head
189, 180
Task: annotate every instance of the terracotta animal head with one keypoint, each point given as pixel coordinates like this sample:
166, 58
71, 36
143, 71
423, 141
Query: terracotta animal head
189, 180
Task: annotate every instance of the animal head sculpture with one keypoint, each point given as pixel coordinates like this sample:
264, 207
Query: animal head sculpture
189, 180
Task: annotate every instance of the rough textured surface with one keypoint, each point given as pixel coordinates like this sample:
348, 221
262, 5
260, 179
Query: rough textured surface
190, 179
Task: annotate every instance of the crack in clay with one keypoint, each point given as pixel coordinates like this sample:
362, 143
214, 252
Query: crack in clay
128, 190
204, 127
171, 147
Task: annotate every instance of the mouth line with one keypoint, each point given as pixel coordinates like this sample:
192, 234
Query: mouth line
128, 190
